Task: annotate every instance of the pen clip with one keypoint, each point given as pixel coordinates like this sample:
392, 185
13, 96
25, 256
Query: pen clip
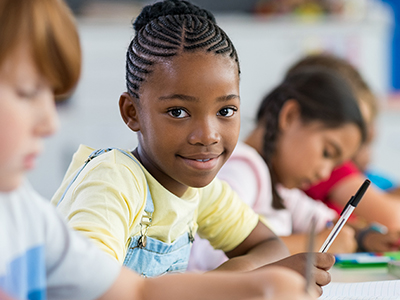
347, 205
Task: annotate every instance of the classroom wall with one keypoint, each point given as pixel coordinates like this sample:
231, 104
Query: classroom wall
266, 48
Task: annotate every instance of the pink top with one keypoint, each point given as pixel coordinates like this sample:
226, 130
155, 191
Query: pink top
248, 174
322, 189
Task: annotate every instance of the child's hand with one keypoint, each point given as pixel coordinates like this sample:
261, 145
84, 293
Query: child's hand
322, 263
377, 242
345, 242
283, 284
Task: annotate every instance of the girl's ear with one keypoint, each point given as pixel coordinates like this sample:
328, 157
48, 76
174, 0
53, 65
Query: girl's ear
129, 111
289, 114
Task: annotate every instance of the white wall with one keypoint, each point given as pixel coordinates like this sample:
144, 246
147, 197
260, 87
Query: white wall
266, 49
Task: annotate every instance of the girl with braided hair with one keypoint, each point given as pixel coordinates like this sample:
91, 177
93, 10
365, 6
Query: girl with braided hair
144, 207
41, 257
306, 126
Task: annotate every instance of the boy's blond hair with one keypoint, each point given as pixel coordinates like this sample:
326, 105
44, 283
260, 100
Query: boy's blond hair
48, 28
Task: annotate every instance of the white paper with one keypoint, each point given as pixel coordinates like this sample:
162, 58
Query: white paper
370, 290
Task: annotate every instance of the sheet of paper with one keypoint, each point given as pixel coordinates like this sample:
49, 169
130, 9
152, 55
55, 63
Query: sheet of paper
371, 290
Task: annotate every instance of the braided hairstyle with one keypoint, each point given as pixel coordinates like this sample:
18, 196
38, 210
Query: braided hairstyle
166, 29
322, 96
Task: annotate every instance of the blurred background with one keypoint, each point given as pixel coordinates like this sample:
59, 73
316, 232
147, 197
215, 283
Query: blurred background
269, 36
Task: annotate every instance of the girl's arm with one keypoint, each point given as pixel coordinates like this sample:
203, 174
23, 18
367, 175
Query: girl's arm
376, 205
273, 283
261, 247
345, 242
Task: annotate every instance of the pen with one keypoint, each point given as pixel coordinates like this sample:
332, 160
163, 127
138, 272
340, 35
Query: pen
345, 214
310, 256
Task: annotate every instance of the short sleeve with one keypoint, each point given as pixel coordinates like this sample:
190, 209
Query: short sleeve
105, 202
223, 218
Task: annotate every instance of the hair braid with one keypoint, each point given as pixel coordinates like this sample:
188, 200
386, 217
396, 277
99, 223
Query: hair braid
169, 28
268, 114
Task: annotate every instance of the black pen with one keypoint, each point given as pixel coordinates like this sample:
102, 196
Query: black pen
348, 209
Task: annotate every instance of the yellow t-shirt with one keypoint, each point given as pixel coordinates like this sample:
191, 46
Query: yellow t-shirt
107, 200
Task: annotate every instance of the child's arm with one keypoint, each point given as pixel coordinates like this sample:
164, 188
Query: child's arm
261, 247
376, 205
345, 242
273, 283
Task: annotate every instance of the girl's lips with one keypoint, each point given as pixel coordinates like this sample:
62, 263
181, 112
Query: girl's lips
201, 163
305, 185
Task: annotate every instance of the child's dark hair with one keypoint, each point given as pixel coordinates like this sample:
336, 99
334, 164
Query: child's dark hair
322, 96
344, 69
166, 29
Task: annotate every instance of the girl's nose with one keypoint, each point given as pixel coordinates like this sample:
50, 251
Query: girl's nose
325, 170
47, 120
205, 133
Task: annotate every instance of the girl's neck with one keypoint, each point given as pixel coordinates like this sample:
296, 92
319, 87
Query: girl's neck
255, 139
167, 182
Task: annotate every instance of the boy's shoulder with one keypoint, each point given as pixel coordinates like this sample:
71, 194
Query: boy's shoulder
35, 240
23, 220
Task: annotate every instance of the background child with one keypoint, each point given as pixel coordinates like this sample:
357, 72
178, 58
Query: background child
305, 127
40, 257
377, 205
183, 101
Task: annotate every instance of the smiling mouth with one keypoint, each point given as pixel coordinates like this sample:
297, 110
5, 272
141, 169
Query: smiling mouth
204, 160
206, 163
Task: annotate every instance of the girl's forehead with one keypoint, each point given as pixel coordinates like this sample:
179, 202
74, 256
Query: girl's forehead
197, 59
196, 75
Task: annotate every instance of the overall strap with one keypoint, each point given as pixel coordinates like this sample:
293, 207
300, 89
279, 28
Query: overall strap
149, 208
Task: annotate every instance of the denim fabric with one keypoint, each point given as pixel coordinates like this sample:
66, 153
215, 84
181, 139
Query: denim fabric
158, 258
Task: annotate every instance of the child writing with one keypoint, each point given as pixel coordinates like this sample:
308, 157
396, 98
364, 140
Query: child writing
379, 208
307, 125
40, 257
143, 207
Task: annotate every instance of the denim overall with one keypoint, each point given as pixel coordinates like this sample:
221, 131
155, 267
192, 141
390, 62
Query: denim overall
145, 255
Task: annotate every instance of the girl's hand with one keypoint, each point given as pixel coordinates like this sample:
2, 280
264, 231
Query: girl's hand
322, 263
377, 242
345, 242
282, 284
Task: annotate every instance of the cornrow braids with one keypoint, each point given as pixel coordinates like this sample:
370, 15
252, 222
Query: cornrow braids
169, 28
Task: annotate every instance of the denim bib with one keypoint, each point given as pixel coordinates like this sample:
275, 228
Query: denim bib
145, 255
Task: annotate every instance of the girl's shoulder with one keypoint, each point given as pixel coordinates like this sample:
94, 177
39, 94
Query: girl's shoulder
114, 167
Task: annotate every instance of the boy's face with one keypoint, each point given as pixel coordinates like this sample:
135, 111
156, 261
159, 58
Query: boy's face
189, 119
27, 114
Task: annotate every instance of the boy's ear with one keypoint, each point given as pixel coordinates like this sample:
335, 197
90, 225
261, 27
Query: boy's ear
289, 114
129, 111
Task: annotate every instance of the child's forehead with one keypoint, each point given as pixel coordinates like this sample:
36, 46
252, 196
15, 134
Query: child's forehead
198, 61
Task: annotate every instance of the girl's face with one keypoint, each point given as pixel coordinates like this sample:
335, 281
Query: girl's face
306, 153
187, 119
27, 114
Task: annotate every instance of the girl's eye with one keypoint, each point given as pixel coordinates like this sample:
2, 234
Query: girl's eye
327, 154
178, 113
227, 111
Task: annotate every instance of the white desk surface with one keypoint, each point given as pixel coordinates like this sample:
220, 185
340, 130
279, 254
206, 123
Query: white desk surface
360, 274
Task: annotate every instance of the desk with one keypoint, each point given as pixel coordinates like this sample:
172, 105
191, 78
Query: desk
360, 274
